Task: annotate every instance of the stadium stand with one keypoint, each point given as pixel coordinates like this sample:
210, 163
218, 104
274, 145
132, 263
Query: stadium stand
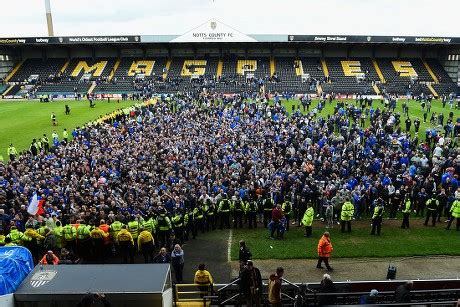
230, 74
78, 76
42, 69
350, 76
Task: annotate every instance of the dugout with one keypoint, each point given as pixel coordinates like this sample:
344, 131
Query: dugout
124, 285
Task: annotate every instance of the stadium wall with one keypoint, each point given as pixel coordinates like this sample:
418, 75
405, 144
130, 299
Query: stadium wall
162, 52
106, 53
134, 52
57, 53
7, 300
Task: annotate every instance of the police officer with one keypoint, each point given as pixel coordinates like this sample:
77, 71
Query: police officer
59, 234
268, 207
432, 205
12, 152
198, 214
224, 212
65, 136
70, 234
345, 217
406, 212
83, 240
455, 214
307, 220
210, 214
377, 218
251, 213
133, 228
238, 212
287, 208
190, 226
115, 228
164, 227
177, 222
46, 143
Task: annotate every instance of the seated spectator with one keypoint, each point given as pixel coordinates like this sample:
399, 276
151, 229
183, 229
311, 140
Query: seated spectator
68, 257
326, 287
49, 258
371, 298
402, 293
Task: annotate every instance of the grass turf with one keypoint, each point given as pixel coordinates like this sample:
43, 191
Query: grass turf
21, 121
393, 241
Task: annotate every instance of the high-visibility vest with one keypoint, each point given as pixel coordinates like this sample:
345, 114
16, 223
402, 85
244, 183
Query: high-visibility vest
347, 211
407, 206
115, 228
59, 234
224, 205
307, 219
69, 232
455, 209
15, 236
177, 221
287, 207
133, 228
83, 232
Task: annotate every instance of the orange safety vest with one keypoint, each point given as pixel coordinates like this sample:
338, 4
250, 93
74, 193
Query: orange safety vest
105, 228
324, 247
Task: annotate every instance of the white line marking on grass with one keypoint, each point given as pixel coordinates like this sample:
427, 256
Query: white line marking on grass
229, 246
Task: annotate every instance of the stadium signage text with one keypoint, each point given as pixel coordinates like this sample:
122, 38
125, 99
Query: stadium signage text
211, 36
374, 39
331, 38
98, 39
70, 40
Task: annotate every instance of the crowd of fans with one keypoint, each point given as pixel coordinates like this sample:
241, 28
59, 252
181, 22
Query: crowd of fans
186, 165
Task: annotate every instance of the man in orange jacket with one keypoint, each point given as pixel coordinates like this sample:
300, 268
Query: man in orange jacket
324, 251
49, 258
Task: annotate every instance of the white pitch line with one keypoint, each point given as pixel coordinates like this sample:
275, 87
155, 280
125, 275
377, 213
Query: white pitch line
229, 246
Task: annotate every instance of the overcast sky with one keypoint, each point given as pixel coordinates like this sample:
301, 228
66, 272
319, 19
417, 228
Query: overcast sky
113, 17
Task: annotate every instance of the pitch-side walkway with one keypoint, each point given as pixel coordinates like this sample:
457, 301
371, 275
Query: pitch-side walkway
215, 254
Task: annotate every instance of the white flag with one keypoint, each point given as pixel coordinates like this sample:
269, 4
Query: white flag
33, 205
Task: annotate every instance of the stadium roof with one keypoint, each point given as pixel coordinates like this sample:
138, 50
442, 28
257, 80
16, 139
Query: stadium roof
214, 31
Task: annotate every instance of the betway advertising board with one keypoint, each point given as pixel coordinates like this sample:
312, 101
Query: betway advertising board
373, 39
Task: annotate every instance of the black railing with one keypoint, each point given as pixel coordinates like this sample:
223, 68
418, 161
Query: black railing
434, 292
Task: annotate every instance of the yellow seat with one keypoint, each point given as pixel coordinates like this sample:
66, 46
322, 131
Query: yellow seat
193, 67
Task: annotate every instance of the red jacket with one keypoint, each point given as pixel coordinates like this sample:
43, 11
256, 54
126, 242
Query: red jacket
277, 214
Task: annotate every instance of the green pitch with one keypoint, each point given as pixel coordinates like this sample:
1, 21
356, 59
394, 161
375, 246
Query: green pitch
21, 121
418, 240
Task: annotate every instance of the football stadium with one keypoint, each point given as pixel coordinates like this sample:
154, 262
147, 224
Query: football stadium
216, 167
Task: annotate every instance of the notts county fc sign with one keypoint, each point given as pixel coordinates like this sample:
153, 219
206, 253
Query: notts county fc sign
42, 278
213, 31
